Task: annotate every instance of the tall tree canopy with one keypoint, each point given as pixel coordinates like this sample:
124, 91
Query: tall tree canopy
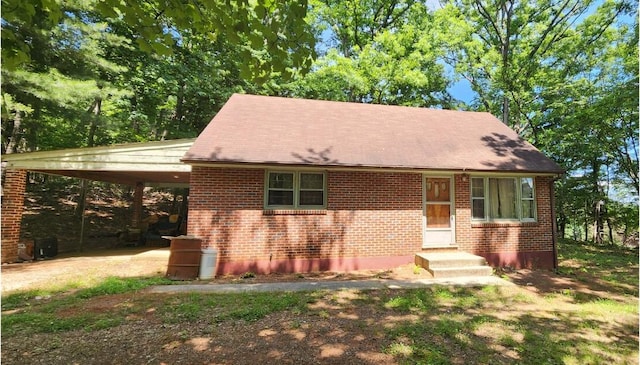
379, 51
273, 27
563, 73
510, 51
81, 73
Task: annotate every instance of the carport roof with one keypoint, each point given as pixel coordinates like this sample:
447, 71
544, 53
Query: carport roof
150, 162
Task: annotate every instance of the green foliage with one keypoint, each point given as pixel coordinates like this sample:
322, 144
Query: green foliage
93, 73
67, 72
564, 75
219, 308
378, 51
42, 323
414, 301
276, 27
39, 311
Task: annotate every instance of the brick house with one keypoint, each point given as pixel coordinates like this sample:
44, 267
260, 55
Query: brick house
294, 185
283, 185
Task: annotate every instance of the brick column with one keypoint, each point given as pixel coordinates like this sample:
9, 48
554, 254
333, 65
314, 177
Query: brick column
12, 205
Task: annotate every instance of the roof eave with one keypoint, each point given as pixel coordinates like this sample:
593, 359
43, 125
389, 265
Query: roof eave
275, 164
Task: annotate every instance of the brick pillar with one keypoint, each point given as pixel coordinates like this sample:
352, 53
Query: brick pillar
12, 205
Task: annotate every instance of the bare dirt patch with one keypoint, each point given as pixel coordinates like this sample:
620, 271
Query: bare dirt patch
84, 268
275, 339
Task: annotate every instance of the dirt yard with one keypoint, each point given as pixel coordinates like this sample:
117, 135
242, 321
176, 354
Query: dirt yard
338, 328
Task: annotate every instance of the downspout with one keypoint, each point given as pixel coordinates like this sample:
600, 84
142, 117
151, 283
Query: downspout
554, 223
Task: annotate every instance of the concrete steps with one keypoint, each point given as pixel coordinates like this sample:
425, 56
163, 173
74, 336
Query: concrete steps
451, 264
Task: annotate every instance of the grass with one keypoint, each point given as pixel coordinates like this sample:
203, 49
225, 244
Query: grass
435, 325
109, 286
615, 266
44, 311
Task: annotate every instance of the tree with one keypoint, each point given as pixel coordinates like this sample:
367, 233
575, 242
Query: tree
562, 73
504, 48
377, 51
64, 84
590, 120
89, 77
273, 27
175, 96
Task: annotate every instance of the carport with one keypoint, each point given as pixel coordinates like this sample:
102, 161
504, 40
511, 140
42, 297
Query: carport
134, 164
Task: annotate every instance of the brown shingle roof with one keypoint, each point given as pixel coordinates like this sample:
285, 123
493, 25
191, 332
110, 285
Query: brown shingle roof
272, 130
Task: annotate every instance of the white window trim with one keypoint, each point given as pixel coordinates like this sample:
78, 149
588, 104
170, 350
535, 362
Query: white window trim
519, 199
296, 190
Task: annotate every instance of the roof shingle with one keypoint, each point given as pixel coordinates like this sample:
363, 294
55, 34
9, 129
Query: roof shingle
252, 129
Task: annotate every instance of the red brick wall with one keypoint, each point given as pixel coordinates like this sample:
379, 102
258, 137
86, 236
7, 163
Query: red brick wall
372, 220
508, 244
12, 205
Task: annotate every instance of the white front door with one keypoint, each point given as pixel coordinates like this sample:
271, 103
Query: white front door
438, 212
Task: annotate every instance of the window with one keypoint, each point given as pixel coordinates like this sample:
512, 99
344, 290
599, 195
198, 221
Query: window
280, 188
477, 198
502, 198
289, 189
527, 199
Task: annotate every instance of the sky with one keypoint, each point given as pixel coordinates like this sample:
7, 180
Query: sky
461, 90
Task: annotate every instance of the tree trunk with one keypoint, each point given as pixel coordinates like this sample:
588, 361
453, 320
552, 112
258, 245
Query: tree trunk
179, 112
610, 226
562, 224
598, 224
82, 198
586, 224
94, 109
506, 49
16, 133
505, 110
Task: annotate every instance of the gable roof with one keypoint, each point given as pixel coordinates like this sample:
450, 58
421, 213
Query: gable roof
252, 129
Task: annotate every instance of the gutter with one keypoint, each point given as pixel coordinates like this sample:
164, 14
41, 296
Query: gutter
355, 167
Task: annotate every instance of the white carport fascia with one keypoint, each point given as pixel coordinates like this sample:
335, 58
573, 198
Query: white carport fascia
161, 156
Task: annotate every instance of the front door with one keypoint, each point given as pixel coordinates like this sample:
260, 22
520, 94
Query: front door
439, 217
